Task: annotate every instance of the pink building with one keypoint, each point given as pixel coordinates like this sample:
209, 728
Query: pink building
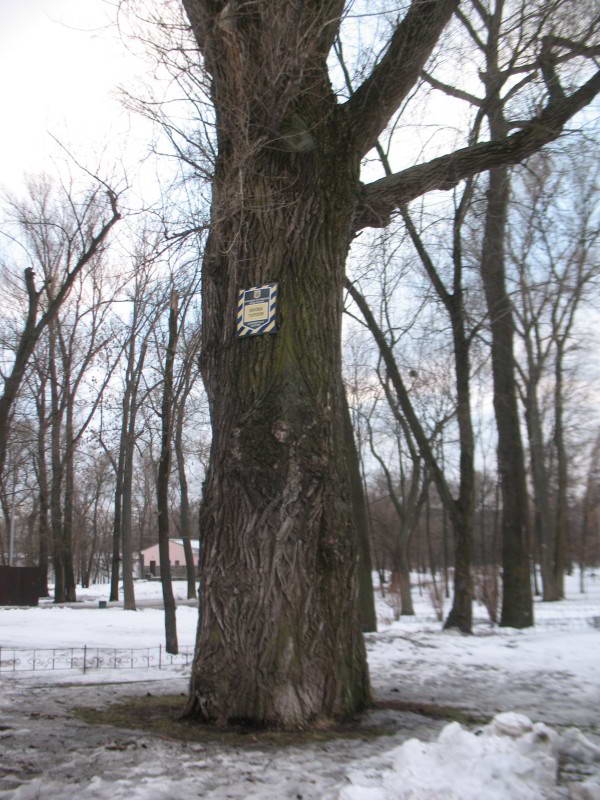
150, 558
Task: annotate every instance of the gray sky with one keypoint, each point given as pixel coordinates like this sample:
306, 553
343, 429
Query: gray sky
60, 61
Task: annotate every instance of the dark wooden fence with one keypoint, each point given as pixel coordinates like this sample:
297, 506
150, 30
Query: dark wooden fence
19, 586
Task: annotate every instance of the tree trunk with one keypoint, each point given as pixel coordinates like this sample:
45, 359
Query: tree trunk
461, 613
279, 637
56, 472
544, 520
562, 483
42, 479
184, 502
69, 499
121, 540
366, 598
162, 483
401, 577
115, 563
126, 498
517, 601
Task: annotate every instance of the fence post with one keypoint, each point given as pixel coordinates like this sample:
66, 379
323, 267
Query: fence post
84, 657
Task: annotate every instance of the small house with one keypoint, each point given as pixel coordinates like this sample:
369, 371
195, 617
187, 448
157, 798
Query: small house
150, 559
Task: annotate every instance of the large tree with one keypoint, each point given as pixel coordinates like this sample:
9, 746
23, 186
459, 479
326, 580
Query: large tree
279, 638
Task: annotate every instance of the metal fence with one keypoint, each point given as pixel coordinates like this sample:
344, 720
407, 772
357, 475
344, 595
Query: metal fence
86, 659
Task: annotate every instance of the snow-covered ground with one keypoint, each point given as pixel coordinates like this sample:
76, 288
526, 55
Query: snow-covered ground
538, 690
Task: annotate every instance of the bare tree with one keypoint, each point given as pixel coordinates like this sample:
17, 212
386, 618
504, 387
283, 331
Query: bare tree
553, 240
162, 479
286, 202
60, 238
521, 48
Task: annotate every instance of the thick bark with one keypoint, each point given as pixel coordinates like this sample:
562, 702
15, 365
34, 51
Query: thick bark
279, 635
279, 638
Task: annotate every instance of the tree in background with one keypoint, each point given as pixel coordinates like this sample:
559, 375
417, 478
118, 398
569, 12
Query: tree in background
552, 248
279, 558
61, 238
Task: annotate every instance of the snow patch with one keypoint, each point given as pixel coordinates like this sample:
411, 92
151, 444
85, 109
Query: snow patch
509, 758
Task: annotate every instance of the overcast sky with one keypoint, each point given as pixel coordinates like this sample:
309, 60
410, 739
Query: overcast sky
60, 63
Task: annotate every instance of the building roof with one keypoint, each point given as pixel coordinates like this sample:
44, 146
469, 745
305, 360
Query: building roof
194, 543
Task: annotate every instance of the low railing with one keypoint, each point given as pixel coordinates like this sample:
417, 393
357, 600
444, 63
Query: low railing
86, 658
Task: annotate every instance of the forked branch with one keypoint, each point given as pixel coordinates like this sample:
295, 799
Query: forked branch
385, 196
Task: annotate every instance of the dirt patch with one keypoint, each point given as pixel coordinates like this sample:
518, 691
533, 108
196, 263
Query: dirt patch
435, 711
160, 715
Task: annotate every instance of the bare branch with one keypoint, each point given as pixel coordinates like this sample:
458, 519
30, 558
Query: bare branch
452, 91
374, 102
383, 197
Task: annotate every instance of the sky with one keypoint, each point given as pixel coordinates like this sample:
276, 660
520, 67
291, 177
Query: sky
61, 61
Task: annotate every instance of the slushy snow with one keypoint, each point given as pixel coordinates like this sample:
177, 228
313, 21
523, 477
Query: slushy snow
539, 688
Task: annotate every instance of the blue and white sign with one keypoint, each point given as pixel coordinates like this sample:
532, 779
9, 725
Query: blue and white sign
256, 310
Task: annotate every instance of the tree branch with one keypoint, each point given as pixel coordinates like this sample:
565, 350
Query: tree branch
451, 90
577, 48
385, 196
372, 105
471, 30
404, 402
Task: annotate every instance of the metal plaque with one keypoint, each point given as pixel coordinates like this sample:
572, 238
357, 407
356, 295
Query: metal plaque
256, 310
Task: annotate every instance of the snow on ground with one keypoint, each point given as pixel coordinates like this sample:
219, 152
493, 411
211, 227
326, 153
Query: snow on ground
539, 688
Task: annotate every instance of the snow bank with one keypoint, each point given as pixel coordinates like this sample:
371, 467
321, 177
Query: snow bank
509, 758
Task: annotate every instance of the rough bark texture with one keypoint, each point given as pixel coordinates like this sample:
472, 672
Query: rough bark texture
279, 637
